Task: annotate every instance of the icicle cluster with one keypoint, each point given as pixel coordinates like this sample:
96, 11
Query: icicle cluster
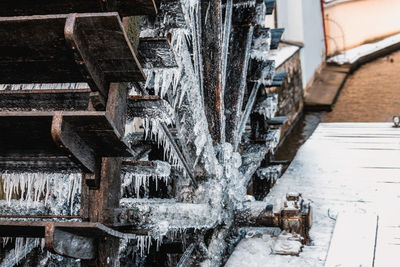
161, 80
154, 131
35, 188
273, 137
22, 247
268, 107
270, 173
139, 177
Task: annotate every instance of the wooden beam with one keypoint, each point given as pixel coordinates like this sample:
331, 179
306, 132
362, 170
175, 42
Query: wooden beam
156, 53
67, 139
278, 120
72, 48
69, 244
276, 35
44, 7
238, 60
211, 57
80, 135
49, 100
149, 107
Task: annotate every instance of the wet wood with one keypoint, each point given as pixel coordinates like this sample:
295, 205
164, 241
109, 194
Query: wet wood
278, 120
73, 48
49, 100
68, 244
81, 136
211, 56
235, 84
278, 79
151, 107
44, 7
276, 35
156, 53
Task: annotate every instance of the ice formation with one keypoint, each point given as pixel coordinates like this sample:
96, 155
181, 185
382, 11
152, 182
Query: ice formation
268, 107
56, 190
139, 177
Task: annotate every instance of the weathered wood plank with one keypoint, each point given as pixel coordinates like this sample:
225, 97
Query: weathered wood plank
276, 35
83, 136
156, 53
49, 100
211, 56
149, 107
44, 7
73, 48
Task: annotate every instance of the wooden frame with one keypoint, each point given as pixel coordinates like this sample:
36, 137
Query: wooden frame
90, 48
43, 7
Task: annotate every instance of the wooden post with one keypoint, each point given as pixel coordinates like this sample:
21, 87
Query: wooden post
211, 55
98, 204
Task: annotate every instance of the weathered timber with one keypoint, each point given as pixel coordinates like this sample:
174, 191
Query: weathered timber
81, 136
44, 7
276, 35
239, 53
261, 71
38, 164
68, 244
49, 100
73, 48
211, 57
252, 13
98, 205
269, 6
278, 79
278, 120
170, 16
156, 53
149, 107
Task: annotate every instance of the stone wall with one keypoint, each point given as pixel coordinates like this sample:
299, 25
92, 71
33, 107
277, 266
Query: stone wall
290, 94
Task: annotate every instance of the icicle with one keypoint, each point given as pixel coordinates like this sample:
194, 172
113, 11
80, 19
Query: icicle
35, 188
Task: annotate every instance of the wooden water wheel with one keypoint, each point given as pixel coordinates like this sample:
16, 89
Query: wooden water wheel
166, 118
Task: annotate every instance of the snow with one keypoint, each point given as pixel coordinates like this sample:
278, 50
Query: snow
343, 167
281, 54
353, 55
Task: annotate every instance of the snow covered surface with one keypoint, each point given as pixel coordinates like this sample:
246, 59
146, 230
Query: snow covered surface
282, 54
343, 167
352, 55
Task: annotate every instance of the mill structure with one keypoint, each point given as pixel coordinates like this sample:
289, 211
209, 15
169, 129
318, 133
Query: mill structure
138, 133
